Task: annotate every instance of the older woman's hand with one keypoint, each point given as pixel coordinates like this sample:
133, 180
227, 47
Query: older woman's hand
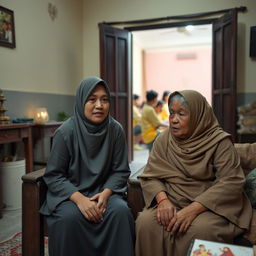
165, 209
185, 217
166, 212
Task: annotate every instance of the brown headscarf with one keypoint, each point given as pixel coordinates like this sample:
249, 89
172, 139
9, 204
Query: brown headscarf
204, 167
204, 129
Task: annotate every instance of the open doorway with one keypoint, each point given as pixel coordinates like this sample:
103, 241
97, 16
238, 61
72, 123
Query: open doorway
116, 61
176, 58
170, 59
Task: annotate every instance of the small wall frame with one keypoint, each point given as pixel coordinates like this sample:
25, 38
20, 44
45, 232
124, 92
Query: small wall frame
7, 29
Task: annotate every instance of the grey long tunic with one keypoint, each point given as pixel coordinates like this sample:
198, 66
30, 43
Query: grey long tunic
67, 172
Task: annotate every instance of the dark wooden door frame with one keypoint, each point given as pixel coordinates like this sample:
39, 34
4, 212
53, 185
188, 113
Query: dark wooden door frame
115, 68
171, 24
224, 74
194, 16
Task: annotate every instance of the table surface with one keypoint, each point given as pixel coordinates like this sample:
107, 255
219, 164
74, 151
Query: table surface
14, 126
29, 133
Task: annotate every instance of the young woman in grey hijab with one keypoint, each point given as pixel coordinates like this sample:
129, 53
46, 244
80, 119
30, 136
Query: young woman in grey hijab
86, 176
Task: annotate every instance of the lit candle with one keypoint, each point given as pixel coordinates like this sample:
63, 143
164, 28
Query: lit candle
41, 116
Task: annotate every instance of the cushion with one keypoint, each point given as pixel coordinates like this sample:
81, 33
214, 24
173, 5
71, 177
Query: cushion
250, 187
251, 233
247, 153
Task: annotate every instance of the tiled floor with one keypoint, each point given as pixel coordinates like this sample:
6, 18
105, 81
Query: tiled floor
10, 223
140, 159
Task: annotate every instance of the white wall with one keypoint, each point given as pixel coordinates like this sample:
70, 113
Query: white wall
97, 11
49, 53
137, 62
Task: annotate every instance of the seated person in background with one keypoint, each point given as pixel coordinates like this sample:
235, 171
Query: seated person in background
159, 110
136, 123
149, 119
165, 111
193, 184
87, 176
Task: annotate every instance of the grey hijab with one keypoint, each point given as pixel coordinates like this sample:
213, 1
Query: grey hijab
86, 157
90, 136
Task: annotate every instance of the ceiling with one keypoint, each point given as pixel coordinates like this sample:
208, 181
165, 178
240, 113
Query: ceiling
173, 37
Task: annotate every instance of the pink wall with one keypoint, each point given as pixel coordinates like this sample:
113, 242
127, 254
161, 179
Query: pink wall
164, 70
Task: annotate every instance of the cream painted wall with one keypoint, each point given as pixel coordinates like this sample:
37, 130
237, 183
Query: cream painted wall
137, 62
97, 11
49, 53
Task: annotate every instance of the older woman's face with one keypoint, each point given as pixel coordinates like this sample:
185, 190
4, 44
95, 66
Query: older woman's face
96, 108
179, 119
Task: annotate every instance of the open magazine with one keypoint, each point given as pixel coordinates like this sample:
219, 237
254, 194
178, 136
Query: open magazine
208, 248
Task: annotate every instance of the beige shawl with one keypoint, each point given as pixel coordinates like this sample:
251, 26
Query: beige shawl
204, 167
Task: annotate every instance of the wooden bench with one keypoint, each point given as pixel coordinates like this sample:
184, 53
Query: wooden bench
34, 227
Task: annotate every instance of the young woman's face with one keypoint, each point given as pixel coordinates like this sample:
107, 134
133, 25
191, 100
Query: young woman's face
179, 120
96, 108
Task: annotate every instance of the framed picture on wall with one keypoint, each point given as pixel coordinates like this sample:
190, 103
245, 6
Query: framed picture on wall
7, 30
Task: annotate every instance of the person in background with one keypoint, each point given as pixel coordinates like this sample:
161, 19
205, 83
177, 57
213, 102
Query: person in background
165, 111
193, 184
136, 123
142, 104
159, 108
149, 120
86, 176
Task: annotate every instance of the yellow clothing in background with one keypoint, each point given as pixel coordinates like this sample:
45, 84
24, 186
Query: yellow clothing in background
165, 113
136, 116
149, 123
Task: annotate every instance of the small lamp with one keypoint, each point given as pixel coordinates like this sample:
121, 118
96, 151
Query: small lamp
41, 116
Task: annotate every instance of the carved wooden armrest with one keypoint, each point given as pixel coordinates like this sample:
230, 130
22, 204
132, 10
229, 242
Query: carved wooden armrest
135, 197
34, 176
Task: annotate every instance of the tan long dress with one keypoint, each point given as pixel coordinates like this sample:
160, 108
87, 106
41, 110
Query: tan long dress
203, 168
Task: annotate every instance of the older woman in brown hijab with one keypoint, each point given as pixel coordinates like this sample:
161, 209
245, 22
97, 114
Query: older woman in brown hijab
192, 183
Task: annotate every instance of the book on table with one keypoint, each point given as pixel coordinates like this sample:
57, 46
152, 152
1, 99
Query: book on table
209, 248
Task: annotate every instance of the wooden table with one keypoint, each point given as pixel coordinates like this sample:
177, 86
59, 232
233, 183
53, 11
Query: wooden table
44, 130
10, 133
28, 133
